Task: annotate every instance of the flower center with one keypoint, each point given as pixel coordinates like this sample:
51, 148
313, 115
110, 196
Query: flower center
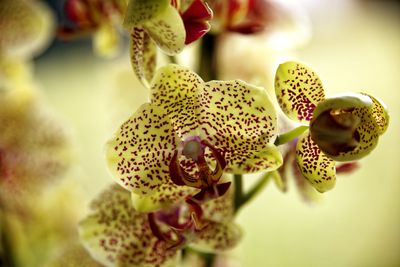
335, 131
192, 148
176, 225
206, 179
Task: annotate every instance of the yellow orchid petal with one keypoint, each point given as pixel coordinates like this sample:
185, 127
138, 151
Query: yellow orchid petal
380, 113
217, 237
347, 127
166, 195
240, 119
167, 30
175, 89
139, 153
139, 11
143, 53
298, 89
316, 167
117, 235
220, 209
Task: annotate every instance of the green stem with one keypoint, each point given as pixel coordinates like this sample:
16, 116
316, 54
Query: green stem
173, 59
209, 259
207, 64
238, 182
289, 136
6, 255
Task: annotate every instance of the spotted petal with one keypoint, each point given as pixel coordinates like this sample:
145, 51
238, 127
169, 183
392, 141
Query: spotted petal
117, 235
299, 90
240, 119
143, 55
368, 130
139, 11
315, 166
138, 155
220, 209
380, 113
368, 123
217, 237
165, 195
167, 30
175, 89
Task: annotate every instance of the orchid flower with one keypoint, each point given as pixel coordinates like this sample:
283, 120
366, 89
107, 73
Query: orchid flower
169, 24
33, 148
342, 128
26, 28
115, 234
192, 131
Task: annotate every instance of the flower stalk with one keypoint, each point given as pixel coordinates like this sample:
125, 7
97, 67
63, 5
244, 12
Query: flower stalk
289, 136
207, 62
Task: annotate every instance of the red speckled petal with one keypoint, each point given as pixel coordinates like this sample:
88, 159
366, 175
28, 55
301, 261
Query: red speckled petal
220, 209
315, 166
299, 90
167, 30
166, 195
380, 113
217, 237
139, 153
140, 11
143, 54
240, 119
175, 89
117, 235
369, 130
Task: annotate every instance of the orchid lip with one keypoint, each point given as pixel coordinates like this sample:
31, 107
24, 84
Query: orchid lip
173, 231
194, 148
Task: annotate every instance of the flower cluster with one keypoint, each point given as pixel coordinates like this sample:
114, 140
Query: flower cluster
172, 157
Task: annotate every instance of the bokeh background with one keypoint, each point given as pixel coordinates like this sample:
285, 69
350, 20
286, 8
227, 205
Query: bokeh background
354, 46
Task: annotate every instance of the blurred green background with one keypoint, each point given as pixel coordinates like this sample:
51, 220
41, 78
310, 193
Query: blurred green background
355, 46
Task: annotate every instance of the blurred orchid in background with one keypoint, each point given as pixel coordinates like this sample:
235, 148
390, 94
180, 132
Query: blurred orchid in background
26, 29
98, 17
